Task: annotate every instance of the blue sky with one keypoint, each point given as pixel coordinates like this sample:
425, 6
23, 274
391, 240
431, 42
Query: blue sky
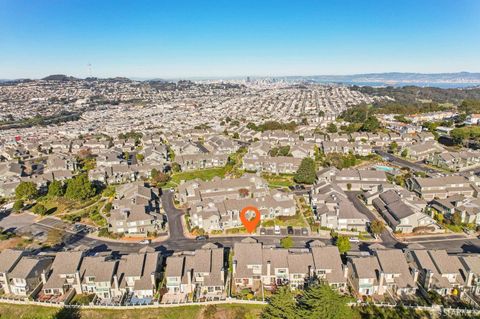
178, 38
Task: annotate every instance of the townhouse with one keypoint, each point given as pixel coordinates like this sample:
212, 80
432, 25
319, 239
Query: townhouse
256, 266
27, 275
9, 258
385, 271
429, 188
333, 209
201, 161
135, 210
437, 271
138, 274
271, 164
468, 208
402, 211
64, 274
360, 179
421, 151
199, 274
455, 161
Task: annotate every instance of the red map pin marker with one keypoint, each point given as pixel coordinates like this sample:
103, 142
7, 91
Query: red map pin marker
251, 224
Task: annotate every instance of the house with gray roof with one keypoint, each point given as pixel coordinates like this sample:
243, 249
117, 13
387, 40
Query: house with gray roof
401, 214
333, 209
256, 265
97, 275
360, 179
28, 274
437, 270
135, 210
9, 258
201, 273
429, 188
138, 274
471, 273
64, 274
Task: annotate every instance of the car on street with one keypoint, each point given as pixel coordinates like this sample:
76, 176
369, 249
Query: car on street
304, 231
276, 230
145, 241
201, 238
290, 230
263, 231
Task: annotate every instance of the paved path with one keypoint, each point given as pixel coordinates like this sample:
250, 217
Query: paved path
387, 238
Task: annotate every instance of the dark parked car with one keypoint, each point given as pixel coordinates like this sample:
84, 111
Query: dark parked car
200, 238
263, 231
290, 230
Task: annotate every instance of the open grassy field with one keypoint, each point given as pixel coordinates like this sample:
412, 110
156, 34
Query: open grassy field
184, 312
204, 174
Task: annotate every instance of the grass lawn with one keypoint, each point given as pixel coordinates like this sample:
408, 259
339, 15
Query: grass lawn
279, 181
284, 221
38, 312
203, 174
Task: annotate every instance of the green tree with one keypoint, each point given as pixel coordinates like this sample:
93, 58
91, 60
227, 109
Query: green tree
176, 167
370, 125
39, 209
236, 135
18, 205
55, 189
457, 218
306, 173
140, 157
286, 242
393, 147
79, 188
404, 153
26, 190
321, 301
377, 227
282, 305
321, 113
343, 244
332, 128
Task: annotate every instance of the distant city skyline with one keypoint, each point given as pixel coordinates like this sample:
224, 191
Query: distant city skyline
203, 39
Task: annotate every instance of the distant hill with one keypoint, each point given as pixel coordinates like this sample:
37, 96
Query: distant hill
59, 77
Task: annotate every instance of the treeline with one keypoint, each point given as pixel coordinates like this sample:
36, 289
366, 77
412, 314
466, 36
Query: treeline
272, 125
412, 94
61, 117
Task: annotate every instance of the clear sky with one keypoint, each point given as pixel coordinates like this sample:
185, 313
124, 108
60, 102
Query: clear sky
182, 38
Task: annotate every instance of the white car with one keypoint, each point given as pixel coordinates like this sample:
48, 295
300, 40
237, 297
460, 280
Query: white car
276, 230
145, 241
354, 240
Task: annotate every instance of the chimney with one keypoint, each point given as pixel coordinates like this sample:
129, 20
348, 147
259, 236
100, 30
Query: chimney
153, 279
415, 274
222, 274
469, 280
380, 282
115, 282
43, 277
189, 276
269, 268
78, 283
234, 268
428, 279
345, 271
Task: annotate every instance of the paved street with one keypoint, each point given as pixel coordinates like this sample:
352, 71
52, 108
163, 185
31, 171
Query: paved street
404, 163
177, 240
387, 238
